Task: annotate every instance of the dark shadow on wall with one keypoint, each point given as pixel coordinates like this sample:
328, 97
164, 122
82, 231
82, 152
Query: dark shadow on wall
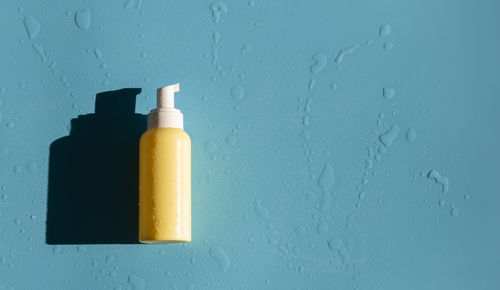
93, 175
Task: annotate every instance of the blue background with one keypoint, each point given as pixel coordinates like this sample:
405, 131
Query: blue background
299, 182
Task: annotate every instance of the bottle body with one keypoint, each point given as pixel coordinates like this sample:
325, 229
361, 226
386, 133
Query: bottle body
165, 186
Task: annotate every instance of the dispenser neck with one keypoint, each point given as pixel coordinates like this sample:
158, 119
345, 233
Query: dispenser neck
166, 115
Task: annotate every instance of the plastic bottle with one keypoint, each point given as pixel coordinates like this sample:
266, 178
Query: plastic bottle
165, 175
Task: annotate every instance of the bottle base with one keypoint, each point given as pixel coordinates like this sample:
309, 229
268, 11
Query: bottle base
164, 241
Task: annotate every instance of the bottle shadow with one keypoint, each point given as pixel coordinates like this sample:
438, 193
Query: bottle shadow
93, 175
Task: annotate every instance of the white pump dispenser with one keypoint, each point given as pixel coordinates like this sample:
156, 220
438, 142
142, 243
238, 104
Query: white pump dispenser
166, 115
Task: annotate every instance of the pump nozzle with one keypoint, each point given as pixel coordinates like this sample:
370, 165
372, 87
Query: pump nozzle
165, 96
166, 115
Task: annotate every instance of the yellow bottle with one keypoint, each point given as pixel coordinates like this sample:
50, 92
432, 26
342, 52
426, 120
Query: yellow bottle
165, 175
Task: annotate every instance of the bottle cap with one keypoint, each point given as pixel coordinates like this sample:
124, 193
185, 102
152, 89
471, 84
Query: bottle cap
165, 114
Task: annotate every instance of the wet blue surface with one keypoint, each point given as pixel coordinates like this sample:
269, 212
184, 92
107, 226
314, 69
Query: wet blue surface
339, 145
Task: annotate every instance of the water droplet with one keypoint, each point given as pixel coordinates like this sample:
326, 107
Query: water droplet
384, 30
368, 164
389, 136
339, 247
312, 84
300, 230
237, 92
388, 93
322, 228
215, 36
110, 259
327, 178
441, 202
220, 257
82, 19
5, 196
129, 4
454, 212
217, 9
81, 249
231, 140
319, 62
305, 120
334, 86
439, 179
32, 26
306, 135
17, 169
246, 48
307, 108
411, 135
98, 53
211, 147
41, 52
388, 45
382, 149
10, 124
136, 282
344, 52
